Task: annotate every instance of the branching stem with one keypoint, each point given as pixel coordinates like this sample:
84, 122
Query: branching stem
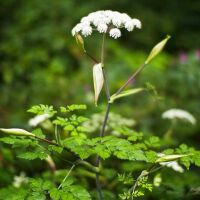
130, 78
152, 169
102, 133
92, 58
47, 141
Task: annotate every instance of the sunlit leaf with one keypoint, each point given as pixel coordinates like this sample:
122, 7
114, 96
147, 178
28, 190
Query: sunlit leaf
125, 93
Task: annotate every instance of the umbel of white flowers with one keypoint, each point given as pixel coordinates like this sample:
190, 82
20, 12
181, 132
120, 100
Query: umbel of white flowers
106, 21
179, 114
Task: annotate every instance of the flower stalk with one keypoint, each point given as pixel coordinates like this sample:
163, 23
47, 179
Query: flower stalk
102, 133
110, 22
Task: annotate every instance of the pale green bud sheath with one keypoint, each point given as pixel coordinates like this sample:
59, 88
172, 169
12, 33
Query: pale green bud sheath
80, 42
157, 49
167, 158
17, 132
98, 80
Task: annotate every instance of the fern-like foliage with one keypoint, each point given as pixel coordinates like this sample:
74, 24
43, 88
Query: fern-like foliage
72, 138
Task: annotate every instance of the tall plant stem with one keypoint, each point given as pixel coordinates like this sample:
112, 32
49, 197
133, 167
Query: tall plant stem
130, 78
92, 58
102, 132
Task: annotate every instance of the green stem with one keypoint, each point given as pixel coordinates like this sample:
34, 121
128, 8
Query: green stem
87, 164
102, 133
130, 78
47, 141
66, 176
92, 58
152, 169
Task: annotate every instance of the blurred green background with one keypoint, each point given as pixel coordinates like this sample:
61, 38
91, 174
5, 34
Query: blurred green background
41, 63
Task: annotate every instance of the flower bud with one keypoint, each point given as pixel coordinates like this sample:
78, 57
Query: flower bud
16, 131
80, 41
98, 80
167, 158
157, 49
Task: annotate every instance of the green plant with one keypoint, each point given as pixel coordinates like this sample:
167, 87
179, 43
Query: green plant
85, 153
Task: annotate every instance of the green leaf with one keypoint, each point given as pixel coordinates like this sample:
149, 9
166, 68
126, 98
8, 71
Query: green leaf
11, 194
135, 136
38, 132
36, 195
102, 151
125, 178
33, 155
79, 145
9, 140
82, 119
73, 107
39, 188
153, 92
42, 109
61, 121
19, 142
55, 194
69, 191
196, 158
157, 49
151, 156
82, 129
125, 93
69, 127
78, 192
153, 141
55, 148
192, 158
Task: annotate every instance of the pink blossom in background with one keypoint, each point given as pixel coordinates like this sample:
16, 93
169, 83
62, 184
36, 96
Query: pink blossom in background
197, 54
183, 57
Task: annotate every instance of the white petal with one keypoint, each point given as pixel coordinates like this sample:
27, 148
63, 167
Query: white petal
86, 31
115, 33
137, 23
102, 28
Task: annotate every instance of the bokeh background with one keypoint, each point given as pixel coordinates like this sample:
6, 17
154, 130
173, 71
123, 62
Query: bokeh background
40, 62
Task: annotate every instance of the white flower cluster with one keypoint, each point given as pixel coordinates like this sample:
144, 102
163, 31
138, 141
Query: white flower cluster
174, 165
38, 119
179, 114
104, 22
20, 180
115, 120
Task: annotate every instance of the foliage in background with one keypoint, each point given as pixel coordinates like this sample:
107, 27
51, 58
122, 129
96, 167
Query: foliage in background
131, 152
39, 62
